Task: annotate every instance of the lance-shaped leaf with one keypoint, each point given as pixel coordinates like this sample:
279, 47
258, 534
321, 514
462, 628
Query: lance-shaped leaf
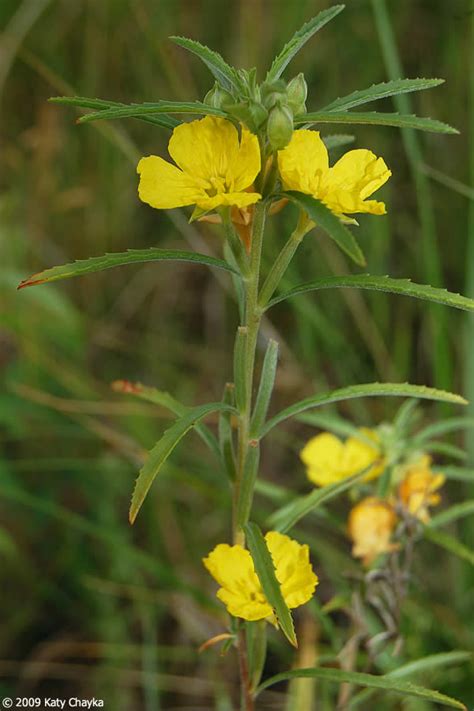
404, 287
299, 39
150, 109
285, 518
375, 118
437, 429
384, 683
466, 508
164, 399
225, 74
265, 570
419, 666
367, 390
380, 91
163, 448
337, 140
100, 104
119, 259
327, 220
267, 380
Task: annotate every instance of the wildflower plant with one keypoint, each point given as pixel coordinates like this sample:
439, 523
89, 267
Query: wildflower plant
242, 154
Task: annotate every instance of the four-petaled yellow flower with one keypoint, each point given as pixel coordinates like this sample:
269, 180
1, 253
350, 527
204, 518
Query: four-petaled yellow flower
232, 567
371, 523
329, 460
215, 167
418, 489
344, 188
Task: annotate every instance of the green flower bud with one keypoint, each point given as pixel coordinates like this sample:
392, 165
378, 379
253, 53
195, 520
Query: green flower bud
218, 97
296, 93
280, 126
273, 93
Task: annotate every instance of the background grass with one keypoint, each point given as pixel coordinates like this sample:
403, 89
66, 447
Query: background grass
89, 605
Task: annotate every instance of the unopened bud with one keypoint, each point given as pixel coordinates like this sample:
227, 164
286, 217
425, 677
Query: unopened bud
279, 127
296, 93
273, 92
218, 97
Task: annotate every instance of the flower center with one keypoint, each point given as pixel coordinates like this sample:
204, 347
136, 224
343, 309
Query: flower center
218, 185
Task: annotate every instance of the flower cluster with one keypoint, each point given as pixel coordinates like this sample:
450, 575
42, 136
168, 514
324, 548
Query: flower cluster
217, 166
373, 520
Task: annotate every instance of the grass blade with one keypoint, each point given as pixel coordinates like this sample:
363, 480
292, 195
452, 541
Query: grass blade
163, 448
404, 287
449, 543
119, 259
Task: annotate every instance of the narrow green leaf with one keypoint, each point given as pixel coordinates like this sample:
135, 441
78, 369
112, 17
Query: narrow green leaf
419, 666
438, 429
163, 448
225, 74
466, 508
385, 683
257, 650
267, 380
160, 107
449, 543
247, 485
285, 518
164, 399
84, 103
266, 574
119, 259
299, 39
327, 220
335, 424
375, 118
380, 91
404, 287
457, 473
240, 373
366, 390
226, 443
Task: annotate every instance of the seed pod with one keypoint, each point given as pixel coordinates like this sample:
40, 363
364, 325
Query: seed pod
280, 126
296, 93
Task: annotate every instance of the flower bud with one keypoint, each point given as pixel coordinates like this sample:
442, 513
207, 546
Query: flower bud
296, 93
273, 93
280, 126
218, 97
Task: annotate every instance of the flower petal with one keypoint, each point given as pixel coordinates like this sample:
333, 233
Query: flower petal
205, 148
303, 162
292, 568
232, 567
238, 199
323, 456
359, 455
354, 178
164, 186
244, 168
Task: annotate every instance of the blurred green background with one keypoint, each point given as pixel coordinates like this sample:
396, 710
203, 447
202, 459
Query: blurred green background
89, 605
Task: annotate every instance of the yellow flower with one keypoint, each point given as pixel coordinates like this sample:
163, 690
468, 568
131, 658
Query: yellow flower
232, 567
370, 526
214, 167
417, 490
304, 166
329, 460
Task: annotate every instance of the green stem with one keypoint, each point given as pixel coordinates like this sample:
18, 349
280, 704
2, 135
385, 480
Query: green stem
282, 262
253, 315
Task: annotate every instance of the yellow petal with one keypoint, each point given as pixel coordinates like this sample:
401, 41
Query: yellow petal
323, 458
359, 455
303, 162
246, 166
292, 568
354, 178
164, 186
238, 199
232, 567
370, 526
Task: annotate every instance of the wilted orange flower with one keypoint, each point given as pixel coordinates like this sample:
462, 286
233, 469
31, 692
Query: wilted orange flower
418, 489
371, 523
